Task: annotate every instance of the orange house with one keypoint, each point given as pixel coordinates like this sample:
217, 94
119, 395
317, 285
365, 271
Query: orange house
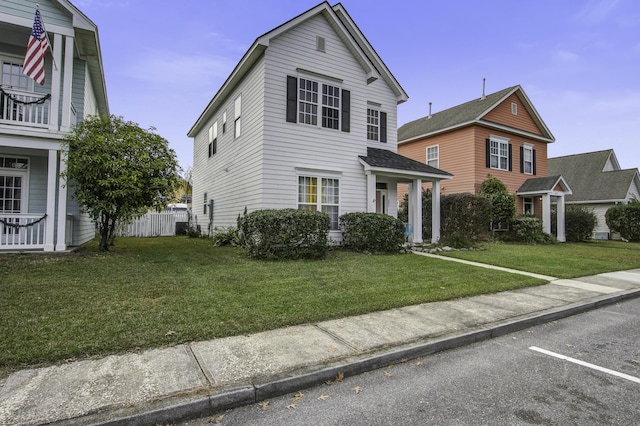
500, 134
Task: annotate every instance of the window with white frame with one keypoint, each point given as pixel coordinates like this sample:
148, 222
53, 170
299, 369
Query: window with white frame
527, 203
373, 124
330, 106
317, 103
317, 193
237, 121
213, 139
433, 156
499, 153
527, 159
13, 77
224, 121
308, 102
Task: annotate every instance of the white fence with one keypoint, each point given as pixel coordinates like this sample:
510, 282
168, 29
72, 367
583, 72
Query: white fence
149, 225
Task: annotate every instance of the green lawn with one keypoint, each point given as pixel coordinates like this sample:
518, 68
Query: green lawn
163, 291
559, 260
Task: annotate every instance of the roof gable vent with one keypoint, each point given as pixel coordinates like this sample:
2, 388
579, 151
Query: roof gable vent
320, 44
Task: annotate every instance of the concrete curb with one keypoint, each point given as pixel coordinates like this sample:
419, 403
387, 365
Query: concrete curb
182, 408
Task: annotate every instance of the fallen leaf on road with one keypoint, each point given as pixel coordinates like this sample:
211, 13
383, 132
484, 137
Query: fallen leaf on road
292, 407
357, 389
298, 396
264, 405
323, 397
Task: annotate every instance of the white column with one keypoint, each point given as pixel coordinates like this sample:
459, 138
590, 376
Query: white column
54, 108
52, 175
66, 88
435, 211
371, 192
416, 198
61, 234
562, 237
546, 213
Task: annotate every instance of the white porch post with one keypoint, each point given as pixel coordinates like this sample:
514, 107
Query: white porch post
52, 174
61, 235
562, 237
435, 211
54, 114
416, 207
546, 213
371, 192
66, 88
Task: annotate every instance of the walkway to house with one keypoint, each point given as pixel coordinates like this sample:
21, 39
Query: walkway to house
202, 378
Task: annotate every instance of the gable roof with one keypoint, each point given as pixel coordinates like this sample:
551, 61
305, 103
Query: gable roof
470, 113
383, 160
345, 28
589, 180
544, 185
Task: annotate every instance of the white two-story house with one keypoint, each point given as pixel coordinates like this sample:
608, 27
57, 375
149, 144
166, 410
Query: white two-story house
307, 120
36, 207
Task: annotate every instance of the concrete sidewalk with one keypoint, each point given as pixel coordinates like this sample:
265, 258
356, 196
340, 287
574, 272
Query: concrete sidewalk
201, 378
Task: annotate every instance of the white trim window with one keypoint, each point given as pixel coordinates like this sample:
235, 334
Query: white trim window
527, 204
13, 184
527, 159
317, 193
373, 124
317, 103
237, 114
12, 76
499, 153
213, 139
308, 102
330, 107
433, 156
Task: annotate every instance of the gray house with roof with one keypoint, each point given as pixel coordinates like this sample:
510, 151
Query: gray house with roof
598, 183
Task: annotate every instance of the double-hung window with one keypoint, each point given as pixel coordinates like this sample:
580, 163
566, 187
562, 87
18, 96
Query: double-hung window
373, 124
433, 159
237, 113
315, 102
317, 193
527, 159
213, 139
499, 153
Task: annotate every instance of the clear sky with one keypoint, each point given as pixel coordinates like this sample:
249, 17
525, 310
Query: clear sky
577, 60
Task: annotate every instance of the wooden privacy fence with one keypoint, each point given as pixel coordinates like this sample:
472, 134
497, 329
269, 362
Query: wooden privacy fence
150, 225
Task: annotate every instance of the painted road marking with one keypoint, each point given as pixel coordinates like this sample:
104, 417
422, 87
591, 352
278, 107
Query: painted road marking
586, 364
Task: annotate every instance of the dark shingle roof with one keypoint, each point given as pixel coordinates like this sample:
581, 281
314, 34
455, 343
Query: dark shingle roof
584, 172
540, 184
390, 160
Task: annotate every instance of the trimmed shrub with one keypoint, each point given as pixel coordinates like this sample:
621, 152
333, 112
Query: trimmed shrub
503, 203
464, 217
225, 237
625, 219
372, 232
284, 234
579, 224
527, 228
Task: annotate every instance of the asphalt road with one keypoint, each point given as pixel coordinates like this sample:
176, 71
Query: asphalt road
517, 379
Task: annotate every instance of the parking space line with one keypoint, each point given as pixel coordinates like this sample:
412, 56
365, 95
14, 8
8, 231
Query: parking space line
586, 364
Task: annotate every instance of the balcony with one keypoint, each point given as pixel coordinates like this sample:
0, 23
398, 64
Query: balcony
22, 231
19, 107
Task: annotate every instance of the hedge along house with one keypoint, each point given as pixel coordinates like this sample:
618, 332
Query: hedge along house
36, 209
306, 120
500, 134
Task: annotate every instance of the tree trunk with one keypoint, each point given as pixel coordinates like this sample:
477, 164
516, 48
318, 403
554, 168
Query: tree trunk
104, 232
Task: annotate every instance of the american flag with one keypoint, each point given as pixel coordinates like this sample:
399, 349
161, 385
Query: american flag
38, 45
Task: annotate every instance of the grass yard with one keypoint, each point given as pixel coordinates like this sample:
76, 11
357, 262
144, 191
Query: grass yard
559, 260
163, 291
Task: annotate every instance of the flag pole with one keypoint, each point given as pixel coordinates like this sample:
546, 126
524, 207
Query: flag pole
46, 34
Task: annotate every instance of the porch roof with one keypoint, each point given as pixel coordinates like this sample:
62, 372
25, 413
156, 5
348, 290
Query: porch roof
388, 162
554, 185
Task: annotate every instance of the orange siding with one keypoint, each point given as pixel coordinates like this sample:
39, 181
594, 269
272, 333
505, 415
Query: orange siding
502, 114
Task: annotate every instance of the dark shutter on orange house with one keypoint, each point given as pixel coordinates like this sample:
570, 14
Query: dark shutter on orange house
346, 110
510, 157
534, 161
522, 159
488, 153
292, 98
383, 126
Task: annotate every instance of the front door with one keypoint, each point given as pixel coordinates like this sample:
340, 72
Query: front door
381, 201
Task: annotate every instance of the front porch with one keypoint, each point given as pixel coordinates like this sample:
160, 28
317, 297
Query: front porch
550, 189
20, 232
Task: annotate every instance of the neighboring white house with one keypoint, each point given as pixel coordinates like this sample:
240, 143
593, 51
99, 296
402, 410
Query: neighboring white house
36, 210
308, 120
598, 183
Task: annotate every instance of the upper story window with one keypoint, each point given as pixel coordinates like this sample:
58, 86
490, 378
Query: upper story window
433, 156
213, 139
498, 153
224, 122
13, 77
313, 102
514, 108
527, 159
237, 114
376, 123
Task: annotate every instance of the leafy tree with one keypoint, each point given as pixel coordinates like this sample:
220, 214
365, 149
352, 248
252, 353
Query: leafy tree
503, 203
625, 219
118, 170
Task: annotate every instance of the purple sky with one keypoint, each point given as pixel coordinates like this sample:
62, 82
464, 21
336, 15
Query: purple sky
578, 61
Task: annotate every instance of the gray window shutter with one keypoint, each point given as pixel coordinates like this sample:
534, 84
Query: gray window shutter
292, 99
346, 110
383, 126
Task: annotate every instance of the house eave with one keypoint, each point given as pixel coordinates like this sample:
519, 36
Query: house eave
403, 174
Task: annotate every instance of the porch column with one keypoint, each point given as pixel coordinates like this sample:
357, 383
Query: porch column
416, 208
371, 192
546, 213
61, 235
435, 211
52, 175
561, 237
54, 112
66, 87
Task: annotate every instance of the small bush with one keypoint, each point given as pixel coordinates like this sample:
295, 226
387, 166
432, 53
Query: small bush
225, 237
527, 229
194, 232
284, 234
579, 224
625, 219
464, 216
372, 232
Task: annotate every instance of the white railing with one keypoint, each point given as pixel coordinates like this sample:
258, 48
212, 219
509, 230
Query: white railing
22, 231
24, 108
149, 225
